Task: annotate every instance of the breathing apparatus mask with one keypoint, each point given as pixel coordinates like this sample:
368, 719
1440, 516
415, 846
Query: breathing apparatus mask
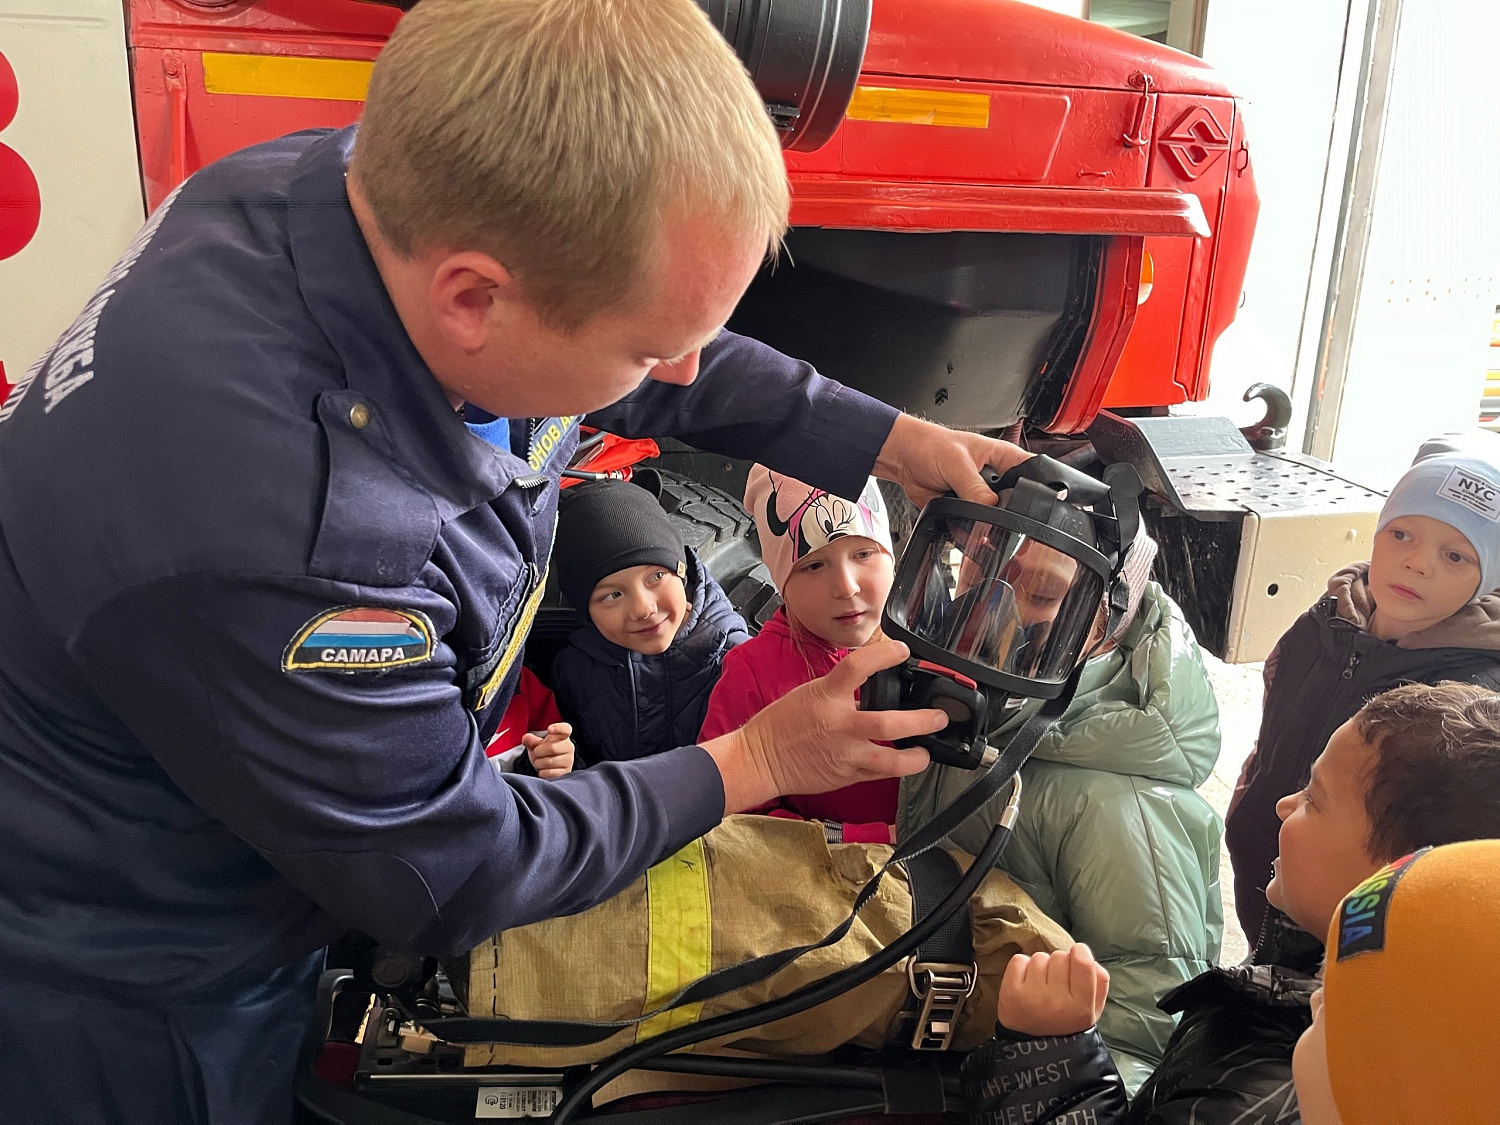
1003, 604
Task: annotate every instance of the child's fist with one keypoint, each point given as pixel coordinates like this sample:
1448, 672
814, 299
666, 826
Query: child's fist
551, 754
1053, 993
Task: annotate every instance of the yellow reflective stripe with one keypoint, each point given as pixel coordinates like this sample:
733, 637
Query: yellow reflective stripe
679, 943
518, 632
920, 107
282, 76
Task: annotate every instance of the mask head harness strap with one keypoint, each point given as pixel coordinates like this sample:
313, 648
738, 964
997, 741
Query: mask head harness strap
1105, 515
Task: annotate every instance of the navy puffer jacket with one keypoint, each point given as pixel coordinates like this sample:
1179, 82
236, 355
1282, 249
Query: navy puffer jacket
625, 705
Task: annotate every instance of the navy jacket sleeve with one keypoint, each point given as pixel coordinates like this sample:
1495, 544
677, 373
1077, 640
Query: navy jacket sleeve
751, 401
370, 791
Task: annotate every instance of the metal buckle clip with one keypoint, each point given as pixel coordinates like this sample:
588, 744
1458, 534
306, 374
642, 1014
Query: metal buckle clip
944, 990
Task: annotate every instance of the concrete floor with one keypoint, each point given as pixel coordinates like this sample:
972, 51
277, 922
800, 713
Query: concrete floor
1238, 688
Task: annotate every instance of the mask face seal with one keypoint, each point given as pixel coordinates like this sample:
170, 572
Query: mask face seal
1006, 602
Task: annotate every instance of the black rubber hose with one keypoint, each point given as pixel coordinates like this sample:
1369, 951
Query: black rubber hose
849, 1077
1084, 458
809, 996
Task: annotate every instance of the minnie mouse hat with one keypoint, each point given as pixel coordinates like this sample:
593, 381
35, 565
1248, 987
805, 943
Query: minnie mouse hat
795, 519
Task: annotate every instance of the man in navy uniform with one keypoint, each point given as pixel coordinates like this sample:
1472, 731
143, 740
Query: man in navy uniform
275, 515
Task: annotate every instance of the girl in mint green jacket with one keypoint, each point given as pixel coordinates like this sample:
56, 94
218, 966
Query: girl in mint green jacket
1113, 841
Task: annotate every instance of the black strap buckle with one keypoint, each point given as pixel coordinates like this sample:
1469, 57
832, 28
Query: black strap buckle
942, 990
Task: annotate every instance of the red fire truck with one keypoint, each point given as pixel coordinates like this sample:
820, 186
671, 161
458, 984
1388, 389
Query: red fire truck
1003, 219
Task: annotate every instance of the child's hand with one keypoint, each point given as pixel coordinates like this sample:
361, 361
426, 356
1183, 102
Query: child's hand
1053, 993
551, 754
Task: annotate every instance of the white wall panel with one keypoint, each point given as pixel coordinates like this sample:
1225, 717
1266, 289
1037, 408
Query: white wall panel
74, 126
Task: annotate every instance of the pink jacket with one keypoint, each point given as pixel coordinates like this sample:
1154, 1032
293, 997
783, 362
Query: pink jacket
761, 671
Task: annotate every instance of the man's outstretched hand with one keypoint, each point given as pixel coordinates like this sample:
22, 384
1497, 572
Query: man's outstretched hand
815, 738
928, 460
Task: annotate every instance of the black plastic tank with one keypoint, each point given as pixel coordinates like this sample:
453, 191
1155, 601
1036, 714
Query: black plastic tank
804, 57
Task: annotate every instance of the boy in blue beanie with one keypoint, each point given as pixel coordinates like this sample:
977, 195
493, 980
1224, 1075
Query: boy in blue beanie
1420, 611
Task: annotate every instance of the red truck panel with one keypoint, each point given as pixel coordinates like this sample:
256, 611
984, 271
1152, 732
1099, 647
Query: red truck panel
1199, 149
1033, 136
1057, 126
1011, 41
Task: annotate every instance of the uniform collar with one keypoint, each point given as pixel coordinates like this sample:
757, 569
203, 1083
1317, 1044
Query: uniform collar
345, 295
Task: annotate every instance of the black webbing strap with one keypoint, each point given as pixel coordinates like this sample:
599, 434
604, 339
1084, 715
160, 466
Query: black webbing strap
942, 971
914, 1091
575, 1033
932, 875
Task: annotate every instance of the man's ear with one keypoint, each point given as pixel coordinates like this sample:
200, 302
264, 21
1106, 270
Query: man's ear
465, 296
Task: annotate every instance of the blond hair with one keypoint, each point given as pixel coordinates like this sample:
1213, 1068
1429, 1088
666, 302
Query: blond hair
555, 134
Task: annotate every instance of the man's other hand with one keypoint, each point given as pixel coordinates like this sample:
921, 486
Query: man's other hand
815, 738
928, 460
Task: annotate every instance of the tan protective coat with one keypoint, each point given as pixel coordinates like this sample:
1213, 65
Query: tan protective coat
771, 884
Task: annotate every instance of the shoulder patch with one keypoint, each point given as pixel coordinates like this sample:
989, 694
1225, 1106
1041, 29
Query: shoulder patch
1363, 912
357, 638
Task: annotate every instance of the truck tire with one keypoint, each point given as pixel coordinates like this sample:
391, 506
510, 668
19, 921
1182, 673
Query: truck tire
717, 527
901, 513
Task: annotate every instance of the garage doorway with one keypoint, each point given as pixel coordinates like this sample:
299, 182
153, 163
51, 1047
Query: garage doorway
1177, 23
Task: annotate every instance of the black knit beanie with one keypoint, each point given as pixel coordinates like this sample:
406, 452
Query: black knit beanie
609, 525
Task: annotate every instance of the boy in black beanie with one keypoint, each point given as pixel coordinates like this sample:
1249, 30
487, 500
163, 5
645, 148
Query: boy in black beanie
636, 675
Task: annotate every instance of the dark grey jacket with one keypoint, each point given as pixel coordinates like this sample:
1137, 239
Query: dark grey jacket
1045, 1080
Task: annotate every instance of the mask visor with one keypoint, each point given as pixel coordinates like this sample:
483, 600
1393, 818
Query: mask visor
997, 598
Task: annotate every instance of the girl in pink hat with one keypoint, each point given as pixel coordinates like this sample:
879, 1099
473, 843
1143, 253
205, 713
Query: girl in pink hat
831, 560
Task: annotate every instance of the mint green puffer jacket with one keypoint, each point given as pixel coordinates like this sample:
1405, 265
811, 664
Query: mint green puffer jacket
1112, 841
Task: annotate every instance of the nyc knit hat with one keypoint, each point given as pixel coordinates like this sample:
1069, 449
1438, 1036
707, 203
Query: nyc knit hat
795, 519
1412, 990
1455, 480
610, 525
